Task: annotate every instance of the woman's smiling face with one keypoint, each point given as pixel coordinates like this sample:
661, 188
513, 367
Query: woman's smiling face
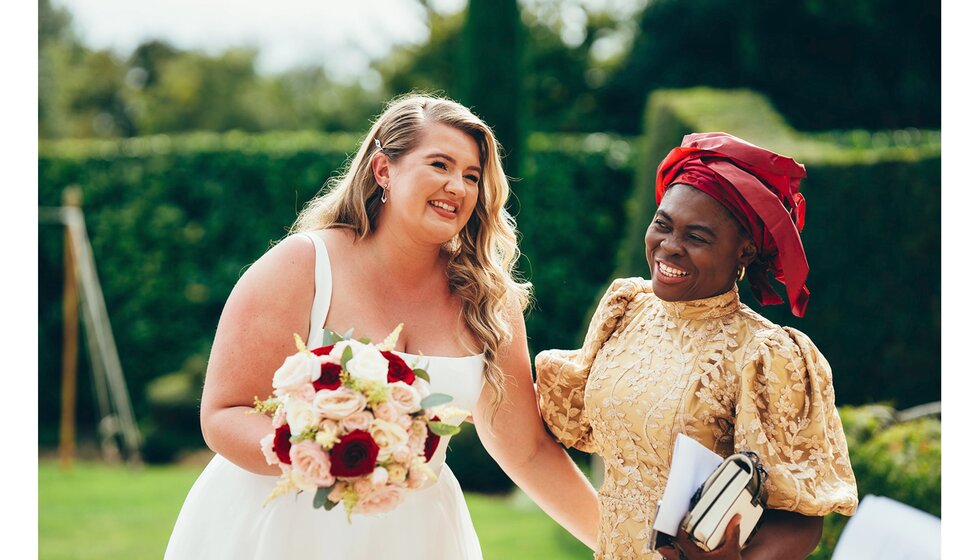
434, 188
694, 246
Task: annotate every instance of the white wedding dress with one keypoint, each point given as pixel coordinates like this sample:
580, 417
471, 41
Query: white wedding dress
223, 517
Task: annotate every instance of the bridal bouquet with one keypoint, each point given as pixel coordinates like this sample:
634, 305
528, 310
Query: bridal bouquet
353, 423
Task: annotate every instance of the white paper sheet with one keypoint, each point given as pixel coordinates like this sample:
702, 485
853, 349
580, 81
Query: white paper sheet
691, 464
883, 529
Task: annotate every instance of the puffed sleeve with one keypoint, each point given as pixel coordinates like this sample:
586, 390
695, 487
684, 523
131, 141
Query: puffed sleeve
786, 414
561, 374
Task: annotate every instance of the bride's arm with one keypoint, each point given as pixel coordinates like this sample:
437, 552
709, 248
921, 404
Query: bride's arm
529, 456
270, 302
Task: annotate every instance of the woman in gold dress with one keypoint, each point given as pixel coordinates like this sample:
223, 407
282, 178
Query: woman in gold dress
680, 354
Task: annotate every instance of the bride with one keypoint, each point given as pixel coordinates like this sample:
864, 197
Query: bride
415, 232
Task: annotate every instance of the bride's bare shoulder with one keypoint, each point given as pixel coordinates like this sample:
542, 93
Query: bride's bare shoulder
338, 241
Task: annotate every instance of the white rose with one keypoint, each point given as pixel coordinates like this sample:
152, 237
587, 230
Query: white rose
266, 445
388, 436
338, 349
368, 365
401, 454
338, 404
379, 477
299, 415
422, 387
296, 371
404, 397
397, 473
300, 481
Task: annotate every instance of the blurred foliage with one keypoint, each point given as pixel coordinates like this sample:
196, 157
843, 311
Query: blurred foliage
583, 66
175, 220
872, 227
159, 88
872, 64
559, 82
490, 80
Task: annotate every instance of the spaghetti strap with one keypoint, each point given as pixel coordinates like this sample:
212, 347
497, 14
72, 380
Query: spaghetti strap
323, 287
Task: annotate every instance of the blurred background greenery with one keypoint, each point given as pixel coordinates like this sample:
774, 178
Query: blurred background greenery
191, 163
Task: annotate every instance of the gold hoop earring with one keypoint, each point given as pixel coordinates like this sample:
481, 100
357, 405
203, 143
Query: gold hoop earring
741, 273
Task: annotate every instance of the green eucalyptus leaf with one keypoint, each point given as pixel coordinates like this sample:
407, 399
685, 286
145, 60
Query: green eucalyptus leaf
349, 333
442, 428
328, 505
330, 337
419, 372
435, 399
364, 340
346, 356
320, 499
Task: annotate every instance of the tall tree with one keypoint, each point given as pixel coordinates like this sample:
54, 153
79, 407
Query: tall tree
491, 75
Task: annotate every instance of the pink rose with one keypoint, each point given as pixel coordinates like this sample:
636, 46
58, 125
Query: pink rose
338, 404
309, 459
405, 421
401, 454
405, 398
388, 436
417, 434
418, 475
357, 421
362, 486
386, 411
379, 500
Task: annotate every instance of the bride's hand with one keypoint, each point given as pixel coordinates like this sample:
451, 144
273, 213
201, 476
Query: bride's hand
684, 548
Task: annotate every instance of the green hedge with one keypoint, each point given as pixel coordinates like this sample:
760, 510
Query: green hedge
872, 237
174, 221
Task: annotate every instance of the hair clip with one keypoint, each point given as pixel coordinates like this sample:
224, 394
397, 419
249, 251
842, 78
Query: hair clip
378, 144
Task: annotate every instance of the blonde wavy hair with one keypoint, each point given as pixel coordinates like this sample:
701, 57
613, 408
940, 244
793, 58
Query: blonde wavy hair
482, 256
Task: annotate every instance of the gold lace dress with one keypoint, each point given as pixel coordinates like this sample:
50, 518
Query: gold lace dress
712, 369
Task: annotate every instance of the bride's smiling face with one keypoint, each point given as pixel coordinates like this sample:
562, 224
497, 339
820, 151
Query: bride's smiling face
433, 189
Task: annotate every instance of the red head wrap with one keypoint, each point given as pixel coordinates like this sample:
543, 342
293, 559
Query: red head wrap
761, 189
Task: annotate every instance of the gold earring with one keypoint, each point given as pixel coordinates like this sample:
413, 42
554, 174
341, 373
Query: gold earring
741, 273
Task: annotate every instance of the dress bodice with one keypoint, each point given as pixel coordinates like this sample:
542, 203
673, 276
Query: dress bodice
459, 377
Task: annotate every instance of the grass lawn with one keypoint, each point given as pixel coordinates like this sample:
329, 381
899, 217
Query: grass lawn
98, 511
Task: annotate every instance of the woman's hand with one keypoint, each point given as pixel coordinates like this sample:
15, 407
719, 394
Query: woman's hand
684, 548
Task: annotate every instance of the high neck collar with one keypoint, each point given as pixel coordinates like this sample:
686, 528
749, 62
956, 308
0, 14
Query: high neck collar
708, 308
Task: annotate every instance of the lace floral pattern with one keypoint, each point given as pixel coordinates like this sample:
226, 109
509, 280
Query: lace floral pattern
712, 369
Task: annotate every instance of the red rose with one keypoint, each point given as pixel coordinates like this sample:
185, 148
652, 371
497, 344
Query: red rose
431, 441
281, 444
354, 455
398, 370
329, 373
